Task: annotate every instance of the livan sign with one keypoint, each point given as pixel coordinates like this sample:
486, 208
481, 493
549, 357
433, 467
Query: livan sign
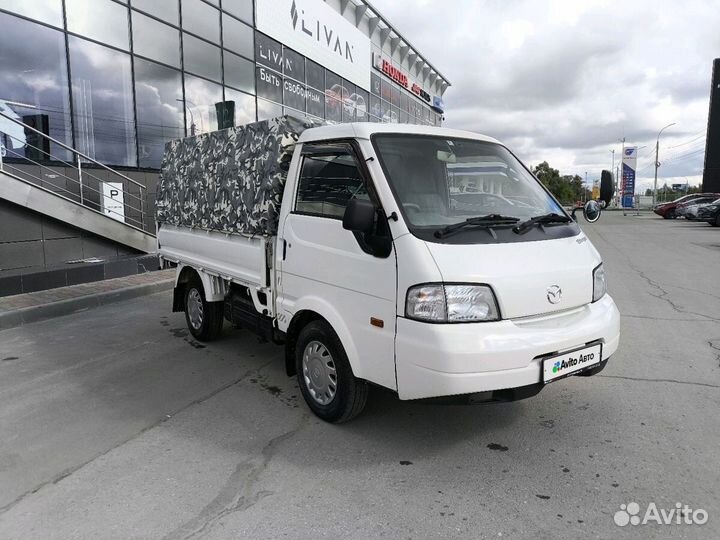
629, 166
399, 76
319, 32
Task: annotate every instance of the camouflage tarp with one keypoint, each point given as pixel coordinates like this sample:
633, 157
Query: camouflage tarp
230, 180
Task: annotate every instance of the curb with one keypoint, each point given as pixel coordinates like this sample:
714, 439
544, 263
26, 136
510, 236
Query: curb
18, 317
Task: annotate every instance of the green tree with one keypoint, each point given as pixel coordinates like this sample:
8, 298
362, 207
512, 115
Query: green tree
567, 189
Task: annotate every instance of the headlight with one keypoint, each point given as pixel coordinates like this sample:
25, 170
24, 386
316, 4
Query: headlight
599, 283
436, 302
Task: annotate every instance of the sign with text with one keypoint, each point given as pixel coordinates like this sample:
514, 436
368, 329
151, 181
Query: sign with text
320, 33
629, 166
113, 200
398, 76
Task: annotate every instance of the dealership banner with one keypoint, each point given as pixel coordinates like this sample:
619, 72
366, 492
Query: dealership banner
629, 167
317, 31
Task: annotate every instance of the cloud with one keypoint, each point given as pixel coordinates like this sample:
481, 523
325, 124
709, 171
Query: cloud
563, 81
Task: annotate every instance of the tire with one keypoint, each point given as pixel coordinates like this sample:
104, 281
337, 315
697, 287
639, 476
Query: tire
716, 223
670, 214
325, 377
204, 319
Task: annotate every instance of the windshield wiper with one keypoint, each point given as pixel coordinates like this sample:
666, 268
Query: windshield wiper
490, 220
525, 226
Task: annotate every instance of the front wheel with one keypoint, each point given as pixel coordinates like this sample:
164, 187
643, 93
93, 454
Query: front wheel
204, 319
716, 223
325, 377
670, 214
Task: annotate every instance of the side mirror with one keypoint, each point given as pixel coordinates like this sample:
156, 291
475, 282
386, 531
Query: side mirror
591, 211
359, 216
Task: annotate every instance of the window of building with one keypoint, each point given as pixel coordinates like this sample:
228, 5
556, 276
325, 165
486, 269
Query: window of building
47, 11
243, 9
101, 20
239, 72
386, 112
167, 10
315, 102
335, 92
294, 94
201, 19
102, 102
201, 58
328, 183
160, 115
200, 99
238, 37
386, 90
375, 107
349, 102
361, 105
396, 96
293, 64
375, 84
268, 84
267, 110
244, 106
411, 109
155, 40
268, 52
33, 87
315, 75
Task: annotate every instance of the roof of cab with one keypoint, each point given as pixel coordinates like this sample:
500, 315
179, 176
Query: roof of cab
363, 130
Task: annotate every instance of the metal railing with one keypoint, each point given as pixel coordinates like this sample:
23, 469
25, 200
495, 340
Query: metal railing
86, 189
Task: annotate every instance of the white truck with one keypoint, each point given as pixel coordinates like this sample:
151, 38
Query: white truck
425, 260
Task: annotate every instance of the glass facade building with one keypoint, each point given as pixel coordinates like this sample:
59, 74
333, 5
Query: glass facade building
118, 79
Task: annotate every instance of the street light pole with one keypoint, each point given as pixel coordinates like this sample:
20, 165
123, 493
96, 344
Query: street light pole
657, 162
192, 118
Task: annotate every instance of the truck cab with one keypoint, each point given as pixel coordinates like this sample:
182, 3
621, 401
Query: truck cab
428, 261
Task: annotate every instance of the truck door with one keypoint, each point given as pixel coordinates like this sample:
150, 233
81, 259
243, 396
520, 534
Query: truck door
334, 272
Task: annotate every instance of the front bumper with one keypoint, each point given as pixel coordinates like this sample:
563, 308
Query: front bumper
434, 360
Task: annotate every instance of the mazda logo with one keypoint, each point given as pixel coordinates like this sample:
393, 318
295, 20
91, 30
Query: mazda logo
554, 294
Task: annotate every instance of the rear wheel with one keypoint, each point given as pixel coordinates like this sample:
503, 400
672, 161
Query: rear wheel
325, 377
716, 223
204, 319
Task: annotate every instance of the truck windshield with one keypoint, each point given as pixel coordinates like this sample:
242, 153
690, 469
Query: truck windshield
441, 181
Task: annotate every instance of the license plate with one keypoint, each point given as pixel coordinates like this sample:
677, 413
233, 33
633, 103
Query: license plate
568, 363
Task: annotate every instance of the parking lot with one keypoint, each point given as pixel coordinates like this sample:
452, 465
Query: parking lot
116, 424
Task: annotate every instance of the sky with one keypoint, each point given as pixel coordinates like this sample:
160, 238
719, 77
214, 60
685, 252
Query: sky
562, 81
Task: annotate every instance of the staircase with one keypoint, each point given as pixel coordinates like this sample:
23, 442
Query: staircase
58, 181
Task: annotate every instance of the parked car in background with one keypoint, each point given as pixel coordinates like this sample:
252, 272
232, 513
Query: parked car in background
689, 209
668, 210
710, 213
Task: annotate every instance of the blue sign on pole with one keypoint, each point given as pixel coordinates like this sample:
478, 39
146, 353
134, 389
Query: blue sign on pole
629, 166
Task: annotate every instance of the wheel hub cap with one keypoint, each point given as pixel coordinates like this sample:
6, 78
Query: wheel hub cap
319, 372
195, 309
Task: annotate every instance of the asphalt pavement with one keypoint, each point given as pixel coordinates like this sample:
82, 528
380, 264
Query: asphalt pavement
115, 423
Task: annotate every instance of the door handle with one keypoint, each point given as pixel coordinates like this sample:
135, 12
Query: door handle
284, 249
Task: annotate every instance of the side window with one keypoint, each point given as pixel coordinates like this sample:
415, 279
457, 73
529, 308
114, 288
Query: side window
328, 182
